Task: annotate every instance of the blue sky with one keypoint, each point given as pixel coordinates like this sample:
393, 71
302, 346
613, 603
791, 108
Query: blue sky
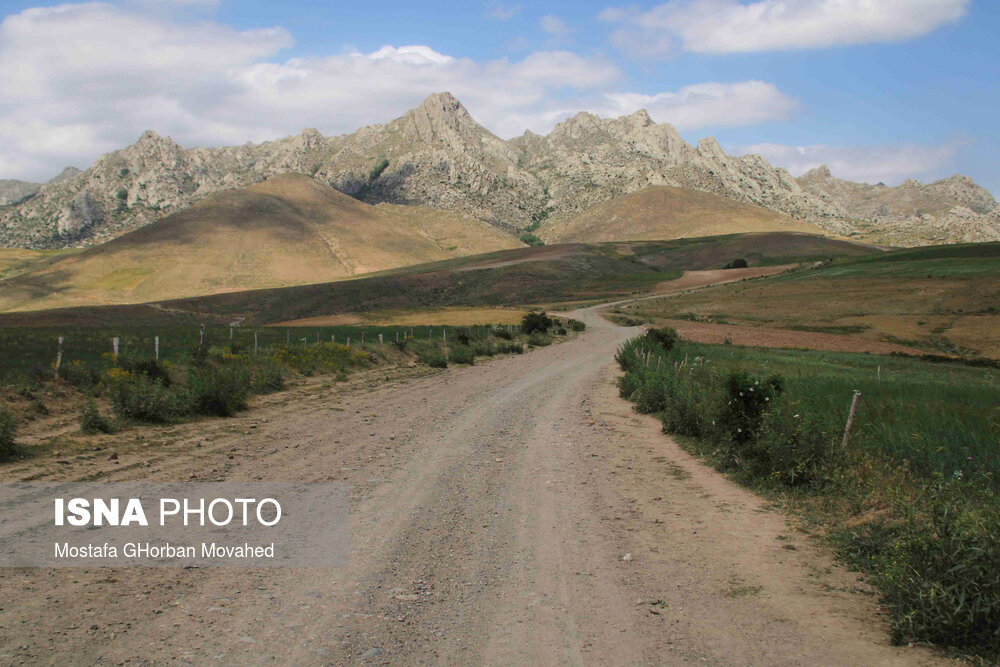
904, 88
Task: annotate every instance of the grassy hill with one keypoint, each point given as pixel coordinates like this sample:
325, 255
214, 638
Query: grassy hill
665, 212
15, 261
939, 298
288, 230
524, 276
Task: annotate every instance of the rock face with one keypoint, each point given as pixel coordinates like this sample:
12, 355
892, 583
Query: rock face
437, 155
14, 192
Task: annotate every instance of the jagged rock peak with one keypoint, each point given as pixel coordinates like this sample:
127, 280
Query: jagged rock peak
445, 103
821, 171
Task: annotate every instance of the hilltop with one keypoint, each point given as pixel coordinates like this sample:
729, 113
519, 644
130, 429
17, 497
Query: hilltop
287, 230
437, 155
667, 212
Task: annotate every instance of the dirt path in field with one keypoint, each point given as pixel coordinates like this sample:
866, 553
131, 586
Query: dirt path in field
514, 512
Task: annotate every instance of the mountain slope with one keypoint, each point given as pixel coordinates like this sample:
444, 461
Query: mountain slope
288, 230
664, 212
437, 155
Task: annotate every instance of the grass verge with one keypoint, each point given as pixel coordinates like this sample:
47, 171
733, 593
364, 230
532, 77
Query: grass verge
911, 501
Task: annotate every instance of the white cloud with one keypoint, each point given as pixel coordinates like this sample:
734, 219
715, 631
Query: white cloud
867, 164
555, 27
707, 105
729, 26
80, 80
501, 12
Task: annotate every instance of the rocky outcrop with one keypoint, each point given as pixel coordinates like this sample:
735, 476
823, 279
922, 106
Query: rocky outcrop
437, 155
14, 192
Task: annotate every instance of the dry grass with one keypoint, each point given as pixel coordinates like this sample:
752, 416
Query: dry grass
455, 317
288, 230
666, 212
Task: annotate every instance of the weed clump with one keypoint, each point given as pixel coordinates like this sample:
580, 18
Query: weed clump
462, 354
537, 321
8, 426
92, 421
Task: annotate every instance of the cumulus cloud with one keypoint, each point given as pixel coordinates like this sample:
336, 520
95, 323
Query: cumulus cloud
706, 105
867, 164
729, 26
80, 80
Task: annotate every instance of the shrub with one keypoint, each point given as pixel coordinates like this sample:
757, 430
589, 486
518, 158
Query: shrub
463, 336
531, 239
143, 399
747, 398
483, 348
433, 357
539, 340
266, 377
503, 333
91, 420
8, 425
738, 263
576, 325
462, 354
537, 321
218, 391
510, 347
561, 331
80, 375
665, 337
151, 368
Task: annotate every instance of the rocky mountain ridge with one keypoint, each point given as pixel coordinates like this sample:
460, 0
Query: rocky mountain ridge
437, 155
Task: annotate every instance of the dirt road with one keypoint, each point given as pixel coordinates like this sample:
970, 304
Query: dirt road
514, 512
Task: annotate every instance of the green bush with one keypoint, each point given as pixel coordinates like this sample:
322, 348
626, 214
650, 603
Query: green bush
151, 368
80, 375
140, 398
266, 377
665, 337
8, 426
531, 239
463, 336
748, 396
576, 325
462, 354
539, 340
510, 347
433, 357
536, 322
483, 347
503, 333
92, 421
218, 391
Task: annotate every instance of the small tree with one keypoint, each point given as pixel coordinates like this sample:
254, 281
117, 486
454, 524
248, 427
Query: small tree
536, 322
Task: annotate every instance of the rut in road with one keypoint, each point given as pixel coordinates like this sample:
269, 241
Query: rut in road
491, 510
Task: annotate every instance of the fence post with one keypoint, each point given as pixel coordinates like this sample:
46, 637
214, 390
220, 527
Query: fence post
348, 341
114, 347
201, 336
230, 335
444, 335
156, 348
59, 358
850, 418
255, 342
380, 339
362, 338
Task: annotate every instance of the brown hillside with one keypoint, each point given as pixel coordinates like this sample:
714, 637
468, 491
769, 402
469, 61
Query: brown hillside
287, 230
665, 212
